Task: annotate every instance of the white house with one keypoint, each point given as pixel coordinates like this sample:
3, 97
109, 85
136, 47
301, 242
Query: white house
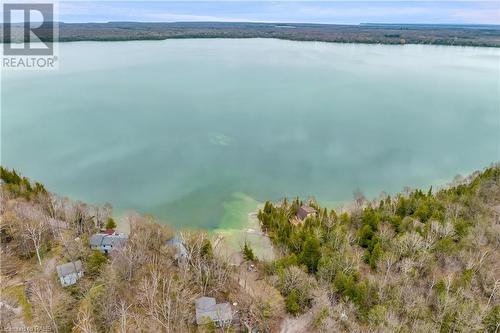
70, 272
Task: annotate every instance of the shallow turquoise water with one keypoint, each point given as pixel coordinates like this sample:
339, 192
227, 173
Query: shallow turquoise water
196, 130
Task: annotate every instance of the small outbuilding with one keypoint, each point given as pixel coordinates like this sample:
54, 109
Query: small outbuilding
105, 242
207, 311
70, 272
181, 253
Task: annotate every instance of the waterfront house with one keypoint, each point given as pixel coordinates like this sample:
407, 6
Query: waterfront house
207, 311
70, 272
302, 214
305, 211
105, 242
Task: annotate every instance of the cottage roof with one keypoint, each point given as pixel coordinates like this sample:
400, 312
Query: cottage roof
114, 240
304, 211
207, 309
179, 245
96, 239
69, 268
104, 239
204, 303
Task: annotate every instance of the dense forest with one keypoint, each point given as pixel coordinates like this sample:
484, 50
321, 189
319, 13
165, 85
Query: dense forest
417, 262
420, 261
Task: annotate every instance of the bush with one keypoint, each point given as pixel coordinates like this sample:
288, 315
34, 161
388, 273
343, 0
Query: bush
295, 282
95, 262
310, 254
206, 249
358, 292
248, 252
292, 303
374, 256
376, 315
365, 235
491, 321
110, 224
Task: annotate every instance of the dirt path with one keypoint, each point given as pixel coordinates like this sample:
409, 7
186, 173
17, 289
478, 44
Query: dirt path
50, 266
296, 324
256, 287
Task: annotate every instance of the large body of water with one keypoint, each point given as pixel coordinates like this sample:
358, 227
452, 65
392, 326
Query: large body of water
199, 131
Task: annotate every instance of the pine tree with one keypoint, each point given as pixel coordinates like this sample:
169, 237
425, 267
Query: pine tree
248, 252
110, 224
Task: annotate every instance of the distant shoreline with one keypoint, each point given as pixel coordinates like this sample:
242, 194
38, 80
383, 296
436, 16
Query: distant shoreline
389, 34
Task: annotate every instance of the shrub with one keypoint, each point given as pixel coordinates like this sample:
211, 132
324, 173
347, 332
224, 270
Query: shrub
310, 254
206, 249
376, 315
491, 321
110, 223
248, 252
95, 262
292, 303
294, 281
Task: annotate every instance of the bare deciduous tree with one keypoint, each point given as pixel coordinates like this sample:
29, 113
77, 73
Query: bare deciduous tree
46, 296
83, 323
33, 230
167, 301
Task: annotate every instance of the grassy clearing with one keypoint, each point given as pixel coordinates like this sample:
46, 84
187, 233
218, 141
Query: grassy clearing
18, 294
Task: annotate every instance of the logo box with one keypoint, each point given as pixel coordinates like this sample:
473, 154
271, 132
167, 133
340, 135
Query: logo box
30, 34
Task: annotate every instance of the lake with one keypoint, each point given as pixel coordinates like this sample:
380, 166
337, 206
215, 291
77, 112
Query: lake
199, 132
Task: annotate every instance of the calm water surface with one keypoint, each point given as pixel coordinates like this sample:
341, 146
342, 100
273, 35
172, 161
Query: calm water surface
199, 131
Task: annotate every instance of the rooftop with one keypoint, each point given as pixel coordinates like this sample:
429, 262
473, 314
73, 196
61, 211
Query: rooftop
207, 309
105, 239
69, 268
305, 211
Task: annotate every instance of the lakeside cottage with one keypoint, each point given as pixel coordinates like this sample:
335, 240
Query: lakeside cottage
181, 253
208, 311
305, 211
70, 272
302, 214
105, 242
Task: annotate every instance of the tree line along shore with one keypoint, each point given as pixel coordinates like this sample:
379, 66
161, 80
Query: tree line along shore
459, 35
419, 261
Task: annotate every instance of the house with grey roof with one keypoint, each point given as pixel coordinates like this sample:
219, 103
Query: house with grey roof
106, 242
181, 253
207, 311
70, 272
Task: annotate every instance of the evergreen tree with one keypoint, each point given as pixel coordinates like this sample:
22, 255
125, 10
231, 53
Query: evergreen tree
110, 224
310, 254
248, 252
206, 249
292, 303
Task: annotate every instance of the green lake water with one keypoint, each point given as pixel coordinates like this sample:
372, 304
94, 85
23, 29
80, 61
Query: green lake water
199, 132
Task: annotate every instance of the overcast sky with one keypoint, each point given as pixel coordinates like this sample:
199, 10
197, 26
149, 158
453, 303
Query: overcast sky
340, 12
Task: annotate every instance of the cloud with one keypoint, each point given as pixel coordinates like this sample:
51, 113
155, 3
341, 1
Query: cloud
350, 12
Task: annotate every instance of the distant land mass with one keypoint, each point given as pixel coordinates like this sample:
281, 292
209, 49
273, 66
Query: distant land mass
371, 33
